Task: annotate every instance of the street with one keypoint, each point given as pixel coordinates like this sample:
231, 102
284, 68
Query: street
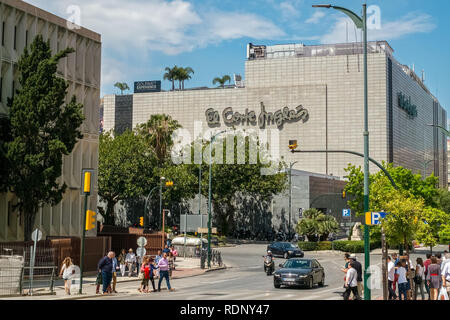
244, 279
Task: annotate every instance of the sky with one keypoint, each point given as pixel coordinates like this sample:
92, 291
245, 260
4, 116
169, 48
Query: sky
140, 38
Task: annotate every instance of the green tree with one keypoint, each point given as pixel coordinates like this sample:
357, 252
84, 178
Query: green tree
222, 80
316, 225
444, 234
183, 74
44, 127
122, 86
442, 200
433, 222
158, 134
171, 74
125, 167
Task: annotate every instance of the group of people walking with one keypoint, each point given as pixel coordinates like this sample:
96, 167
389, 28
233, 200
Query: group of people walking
406, 280
353, 277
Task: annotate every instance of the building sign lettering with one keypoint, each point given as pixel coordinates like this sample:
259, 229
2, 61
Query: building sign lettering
405, 103
249, 117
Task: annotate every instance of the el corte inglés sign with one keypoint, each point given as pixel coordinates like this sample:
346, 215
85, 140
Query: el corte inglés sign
279, 117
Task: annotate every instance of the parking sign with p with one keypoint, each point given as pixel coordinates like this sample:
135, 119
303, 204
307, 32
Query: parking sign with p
374, 218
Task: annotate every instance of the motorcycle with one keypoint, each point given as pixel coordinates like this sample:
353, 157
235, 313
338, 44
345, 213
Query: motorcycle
269, 265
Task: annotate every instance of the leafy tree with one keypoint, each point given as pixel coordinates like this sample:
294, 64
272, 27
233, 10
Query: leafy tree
157, 132
316, 225
433, 222
125, 167
444, 235
122, 86
222, 80
442, 200
5, 136
171, 75
43, 128
404, 179
183, 74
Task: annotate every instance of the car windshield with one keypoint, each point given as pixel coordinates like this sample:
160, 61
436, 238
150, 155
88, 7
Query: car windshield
290, 245
297, 264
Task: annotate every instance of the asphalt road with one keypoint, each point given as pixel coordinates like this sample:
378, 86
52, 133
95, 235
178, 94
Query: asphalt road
244, 278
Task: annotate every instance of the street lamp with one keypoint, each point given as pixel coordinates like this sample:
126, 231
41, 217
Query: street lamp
361, 23
290, 198
160, 196
210, 194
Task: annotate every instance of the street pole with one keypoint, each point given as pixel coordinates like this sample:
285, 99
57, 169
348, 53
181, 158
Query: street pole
367, 295
82, 244
384, 264
146, 220
200, 194
290, 198
160, 197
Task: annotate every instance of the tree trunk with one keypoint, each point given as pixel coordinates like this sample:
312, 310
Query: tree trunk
405, 242
29, 219
110, 214
431, 249
173, 85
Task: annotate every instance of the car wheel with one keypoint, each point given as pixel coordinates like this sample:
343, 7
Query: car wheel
311, 283
322, 282
276, 285
286, 255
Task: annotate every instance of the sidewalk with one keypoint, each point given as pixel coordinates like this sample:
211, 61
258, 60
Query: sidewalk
184, 268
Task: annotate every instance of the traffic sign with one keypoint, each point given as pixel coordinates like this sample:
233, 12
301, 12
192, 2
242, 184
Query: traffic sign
36, 235
141, 241
374, 218
141, 251
205, 230
346, 212
300, 213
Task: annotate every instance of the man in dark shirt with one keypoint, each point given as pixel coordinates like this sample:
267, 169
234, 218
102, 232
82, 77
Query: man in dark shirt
105, 266
166, 250
358, 268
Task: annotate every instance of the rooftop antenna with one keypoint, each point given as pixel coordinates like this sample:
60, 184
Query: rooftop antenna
423, 76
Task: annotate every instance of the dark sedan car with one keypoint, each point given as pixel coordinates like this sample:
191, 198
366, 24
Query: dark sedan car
285, 250
299, 272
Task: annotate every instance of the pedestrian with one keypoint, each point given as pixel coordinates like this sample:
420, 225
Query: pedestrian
402, 280
122, 262
114, 274
438, 258
391, 276
434, 278
66, 273
105, 268
174, 252
171, 263
396, 260
357, 266
152, 271
130, 260
344, 269
146, 276
426, 264
157, 258
446, 274
166, 249
419, 278
351, 283
410, 274
163, 266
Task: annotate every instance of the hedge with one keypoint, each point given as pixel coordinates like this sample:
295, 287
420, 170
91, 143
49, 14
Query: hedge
345, 246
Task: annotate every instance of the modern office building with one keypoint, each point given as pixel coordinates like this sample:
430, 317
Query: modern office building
20, 22
313, 94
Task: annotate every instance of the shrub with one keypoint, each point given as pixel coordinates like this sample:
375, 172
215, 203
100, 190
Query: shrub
307, 246
354, 246
324, 245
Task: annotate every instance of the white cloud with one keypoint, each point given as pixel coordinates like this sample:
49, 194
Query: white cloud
412, 23
316, 17
288, 9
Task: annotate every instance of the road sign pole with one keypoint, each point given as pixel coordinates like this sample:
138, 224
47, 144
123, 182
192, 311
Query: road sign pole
82, 244
32, 266
384, 264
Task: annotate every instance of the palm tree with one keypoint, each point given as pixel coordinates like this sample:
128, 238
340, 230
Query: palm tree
171, 75
184, 74
122, 86
222, 80
158, 132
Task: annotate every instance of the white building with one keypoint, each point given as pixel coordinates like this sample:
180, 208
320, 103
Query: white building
20, 22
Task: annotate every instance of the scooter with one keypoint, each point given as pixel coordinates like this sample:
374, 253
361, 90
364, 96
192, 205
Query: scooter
269, 265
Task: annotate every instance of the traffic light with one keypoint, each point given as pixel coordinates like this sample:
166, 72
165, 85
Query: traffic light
169, 183
91, 220
141, 221
343, 194
293, 144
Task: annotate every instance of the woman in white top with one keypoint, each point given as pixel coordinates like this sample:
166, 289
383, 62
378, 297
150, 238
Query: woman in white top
66, 273
419, 278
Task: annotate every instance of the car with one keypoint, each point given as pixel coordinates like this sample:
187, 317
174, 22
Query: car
285, 250
299, 272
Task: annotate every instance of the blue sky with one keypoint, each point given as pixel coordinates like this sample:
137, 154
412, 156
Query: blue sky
141, 37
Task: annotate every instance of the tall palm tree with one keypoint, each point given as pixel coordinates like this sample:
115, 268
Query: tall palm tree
158, 132
171, 75
122, 86
221, 81
185, 74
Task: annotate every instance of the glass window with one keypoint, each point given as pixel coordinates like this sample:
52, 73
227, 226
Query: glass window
297, 264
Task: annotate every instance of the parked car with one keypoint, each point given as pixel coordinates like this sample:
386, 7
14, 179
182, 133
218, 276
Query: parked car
285, 250
299, 272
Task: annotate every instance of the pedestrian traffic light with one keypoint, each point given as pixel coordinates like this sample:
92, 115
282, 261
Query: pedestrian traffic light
141, 221
293, 144
91, 220
169, 183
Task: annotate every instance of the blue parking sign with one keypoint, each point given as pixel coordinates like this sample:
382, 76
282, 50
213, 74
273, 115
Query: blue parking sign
346, 212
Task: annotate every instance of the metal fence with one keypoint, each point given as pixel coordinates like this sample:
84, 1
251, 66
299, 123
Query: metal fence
216, 259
